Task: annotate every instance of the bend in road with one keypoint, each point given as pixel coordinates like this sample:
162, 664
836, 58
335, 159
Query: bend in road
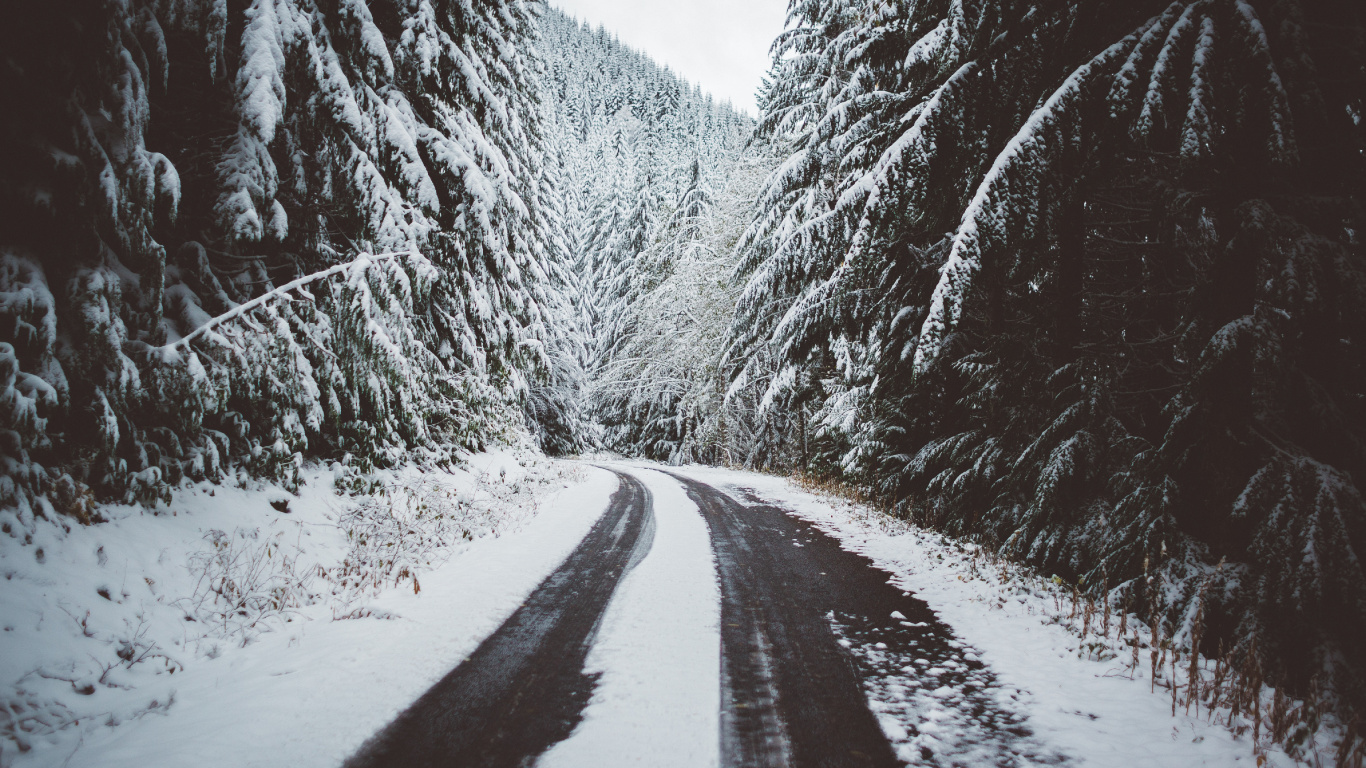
809, 632
524, 688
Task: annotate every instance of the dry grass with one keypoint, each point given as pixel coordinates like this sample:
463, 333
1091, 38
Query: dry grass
416, 523
245, 583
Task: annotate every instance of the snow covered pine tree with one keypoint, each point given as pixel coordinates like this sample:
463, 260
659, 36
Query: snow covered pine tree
1140, 340
643, 154
167, 161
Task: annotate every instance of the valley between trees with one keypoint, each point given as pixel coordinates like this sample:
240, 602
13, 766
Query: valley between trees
1079, 283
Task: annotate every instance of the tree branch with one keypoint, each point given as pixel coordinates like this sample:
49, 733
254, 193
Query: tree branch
242, 309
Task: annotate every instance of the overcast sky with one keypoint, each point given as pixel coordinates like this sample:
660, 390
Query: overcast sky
722, 45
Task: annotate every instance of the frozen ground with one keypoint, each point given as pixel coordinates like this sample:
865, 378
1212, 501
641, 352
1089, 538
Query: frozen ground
120, 623
657, 702
1082, 700
328, 635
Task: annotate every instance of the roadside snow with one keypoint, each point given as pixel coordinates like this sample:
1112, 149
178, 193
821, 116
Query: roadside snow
310, 682
658, 701
1095, 712
111, 625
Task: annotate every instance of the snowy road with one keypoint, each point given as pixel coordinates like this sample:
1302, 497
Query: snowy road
811, 631
746, 637
790, 691
664, 617
525, 687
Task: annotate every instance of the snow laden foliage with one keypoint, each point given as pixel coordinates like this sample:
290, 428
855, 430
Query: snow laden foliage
1083, 282
167, 162
660, 390
555, 403
649, 182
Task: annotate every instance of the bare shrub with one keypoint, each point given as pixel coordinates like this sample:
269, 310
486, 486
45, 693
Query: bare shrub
25, 716
245, 582
415, 523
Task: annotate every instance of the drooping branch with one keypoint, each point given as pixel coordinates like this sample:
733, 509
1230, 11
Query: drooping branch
364, 259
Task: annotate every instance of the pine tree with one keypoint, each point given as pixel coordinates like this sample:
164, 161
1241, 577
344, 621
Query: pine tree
210, 154
639, 147
1125, 345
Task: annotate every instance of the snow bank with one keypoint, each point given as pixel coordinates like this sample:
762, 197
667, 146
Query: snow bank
101, 626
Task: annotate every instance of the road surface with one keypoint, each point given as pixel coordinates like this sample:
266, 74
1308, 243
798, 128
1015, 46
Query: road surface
808, 631
524, 688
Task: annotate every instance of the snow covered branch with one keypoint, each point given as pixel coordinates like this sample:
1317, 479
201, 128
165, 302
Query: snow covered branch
362, 262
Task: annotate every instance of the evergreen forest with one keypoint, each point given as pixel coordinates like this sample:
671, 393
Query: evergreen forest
1082, 283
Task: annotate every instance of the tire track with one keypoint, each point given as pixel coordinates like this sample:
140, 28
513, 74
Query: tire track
791, 694
811, 632
524, 688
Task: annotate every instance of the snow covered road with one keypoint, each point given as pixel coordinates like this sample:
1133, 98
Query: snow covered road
657, 658
675, 618
809, 629
791, 696
829, 656
524, 688
739, 636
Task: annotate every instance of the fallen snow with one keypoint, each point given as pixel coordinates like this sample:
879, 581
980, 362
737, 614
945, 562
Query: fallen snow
312, 689
1092, 712
658, 701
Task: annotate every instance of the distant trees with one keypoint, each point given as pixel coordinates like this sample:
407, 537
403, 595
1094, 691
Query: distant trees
644, 156
1084, 282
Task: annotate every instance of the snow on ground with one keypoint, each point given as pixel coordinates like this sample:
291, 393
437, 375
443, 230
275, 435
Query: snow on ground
658, 700
126, 624
123, 623
1095, 712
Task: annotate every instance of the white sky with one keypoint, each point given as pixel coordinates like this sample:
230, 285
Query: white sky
722, 45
